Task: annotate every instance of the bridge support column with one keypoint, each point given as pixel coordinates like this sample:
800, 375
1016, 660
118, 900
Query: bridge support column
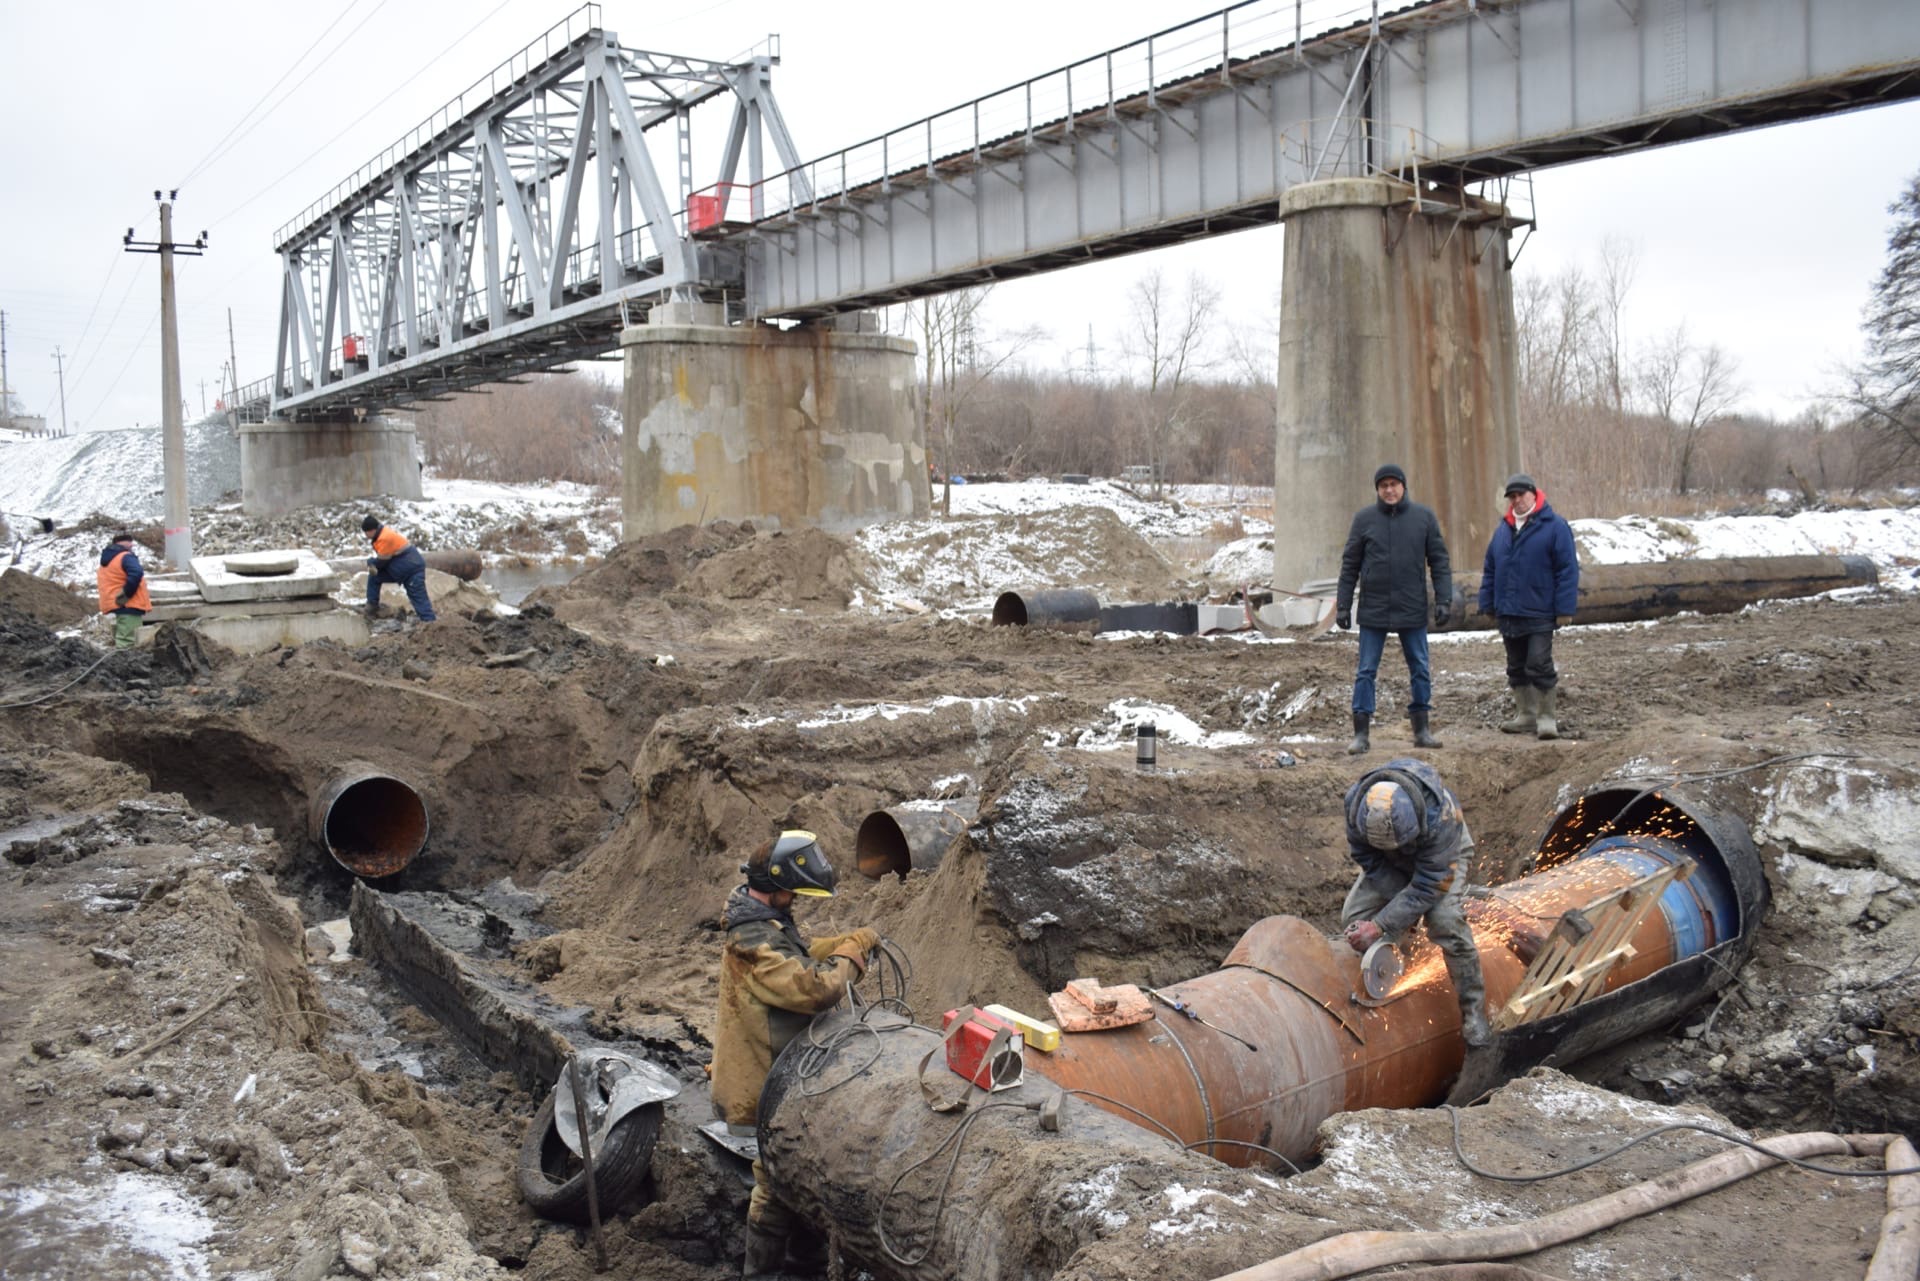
284, 465
1396, 345
813, 426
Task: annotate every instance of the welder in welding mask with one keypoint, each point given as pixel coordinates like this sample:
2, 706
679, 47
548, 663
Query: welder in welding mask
1406, 831
772, 983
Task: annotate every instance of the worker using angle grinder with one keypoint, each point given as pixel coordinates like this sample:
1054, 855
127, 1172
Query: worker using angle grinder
1406, 831
772, 983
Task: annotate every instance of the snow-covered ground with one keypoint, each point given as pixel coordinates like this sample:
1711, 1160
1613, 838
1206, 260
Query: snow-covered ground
1015, 534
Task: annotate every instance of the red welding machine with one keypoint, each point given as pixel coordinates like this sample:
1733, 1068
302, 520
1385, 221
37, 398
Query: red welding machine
985, 1050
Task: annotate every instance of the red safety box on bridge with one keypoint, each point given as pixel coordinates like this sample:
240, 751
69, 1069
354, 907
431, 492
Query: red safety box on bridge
985, 1050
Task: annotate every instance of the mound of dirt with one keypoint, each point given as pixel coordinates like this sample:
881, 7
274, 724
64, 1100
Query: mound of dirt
43, 601
946, 562
649, 566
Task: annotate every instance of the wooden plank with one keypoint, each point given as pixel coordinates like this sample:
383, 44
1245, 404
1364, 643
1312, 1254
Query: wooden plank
1583, 948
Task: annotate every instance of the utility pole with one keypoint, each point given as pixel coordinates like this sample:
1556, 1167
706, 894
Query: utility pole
233, 375
203, 398
60, 366
6, 388
177, 531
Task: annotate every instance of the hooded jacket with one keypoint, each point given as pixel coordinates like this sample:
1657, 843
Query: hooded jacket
1391, 548
772, 983
1531, 570
120, 570
1416, 875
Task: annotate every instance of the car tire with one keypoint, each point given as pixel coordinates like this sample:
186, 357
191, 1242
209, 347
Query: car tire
554, 1181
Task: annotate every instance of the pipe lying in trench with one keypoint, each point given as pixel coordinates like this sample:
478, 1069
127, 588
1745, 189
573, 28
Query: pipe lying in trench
1290, 990
369, 821
912, 836
1631, 593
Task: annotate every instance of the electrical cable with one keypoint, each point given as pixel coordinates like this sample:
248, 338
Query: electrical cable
220, 148
64, 688
1453, 1115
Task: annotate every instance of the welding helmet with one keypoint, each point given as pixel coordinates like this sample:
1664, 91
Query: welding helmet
1389, 815
792, 861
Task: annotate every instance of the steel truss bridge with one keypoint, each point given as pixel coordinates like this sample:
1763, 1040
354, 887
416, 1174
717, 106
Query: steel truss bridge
526, 222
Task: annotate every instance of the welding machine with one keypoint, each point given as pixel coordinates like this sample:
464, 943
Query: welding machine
987, 1051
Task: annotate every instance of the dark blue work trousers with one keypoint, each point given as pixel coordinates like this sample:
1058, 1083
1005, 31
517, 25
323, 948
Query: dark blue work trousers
410, 571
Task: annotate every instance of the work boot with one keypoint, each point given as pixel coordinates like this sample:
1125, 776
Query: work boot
1474, 1029
766, 1255
1422, 737
1359, 745
1526, 701
1548, 725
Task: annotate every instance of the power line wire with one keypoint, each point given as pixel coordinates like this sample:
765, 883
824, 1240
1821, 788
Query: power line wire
215, 151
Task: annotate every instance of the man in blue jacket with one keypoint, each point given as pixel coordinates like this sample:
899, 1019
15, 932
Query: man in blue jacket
1530, 584
1392, 547
1406, 831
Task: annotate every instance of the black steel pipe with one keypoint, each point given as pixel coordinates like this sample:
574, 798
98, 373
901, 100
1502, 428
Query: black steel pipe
1661, 589
1051, 607
907, 837
369, 821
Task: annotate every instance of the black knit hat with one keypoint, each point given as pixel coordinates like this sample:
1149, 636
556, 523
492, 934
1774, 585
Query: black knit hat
1520, 481
1389, 471
370, 524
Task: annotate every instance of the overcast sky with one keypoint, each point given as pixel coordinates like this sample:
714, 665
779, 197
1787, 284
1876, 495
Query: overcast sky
1764, 242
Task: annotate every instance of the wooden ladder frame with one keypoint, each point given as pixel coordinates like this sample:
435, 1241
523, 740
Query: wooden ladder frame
1583, 948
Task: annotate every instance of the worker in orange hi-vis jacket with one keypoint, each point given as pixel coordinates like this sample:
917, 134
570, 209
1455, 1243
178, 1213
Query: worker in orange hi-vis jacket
395, 560
123, 589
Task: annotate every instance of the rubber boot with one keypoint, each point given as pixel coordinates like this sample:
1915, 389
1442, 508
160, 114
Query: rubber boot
1422, 737
1474, 1029
1547, 701
1527, 702
1359, 746
766, 1255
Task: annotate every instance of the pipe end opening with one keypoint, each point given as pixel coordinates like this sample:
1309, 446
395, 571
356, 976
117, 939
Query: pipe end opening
1010, 610
880, 846
375, 827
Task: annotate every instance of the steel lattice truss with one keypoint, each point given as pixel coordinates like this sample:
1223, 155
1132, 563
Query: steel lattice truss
511, 231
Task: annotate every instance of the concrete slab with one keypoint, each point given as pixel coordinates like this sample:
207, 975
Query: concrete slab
262, 564
1220, 618
195, 607
173, 592
257, 635
311, 577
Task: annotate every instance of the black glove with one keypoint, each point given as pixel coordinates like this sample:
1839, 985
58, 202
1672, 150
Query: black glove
1442, 614
120, 600
1343, 620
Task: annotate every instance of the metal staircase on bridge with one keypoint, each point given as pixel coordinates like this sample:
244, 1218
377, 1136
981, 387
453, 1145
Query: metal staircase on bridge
524, 224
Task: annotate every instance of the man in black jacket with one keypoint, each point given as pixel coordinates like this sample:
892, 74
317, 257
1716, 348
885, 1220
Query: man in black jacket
1392, 546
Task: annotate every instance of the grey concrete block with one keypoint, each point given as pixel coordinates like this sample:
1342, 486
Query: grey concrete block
311, 577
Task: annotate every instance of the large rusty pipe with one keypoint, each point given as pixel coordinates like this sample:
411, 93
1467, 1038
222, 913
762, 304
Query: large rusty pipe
462, 563
1660, 589
1291, 991
912, 836
369, 821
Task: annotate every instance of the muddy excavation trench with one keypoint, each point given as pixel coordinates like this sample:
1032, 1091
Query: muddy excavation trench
295, 946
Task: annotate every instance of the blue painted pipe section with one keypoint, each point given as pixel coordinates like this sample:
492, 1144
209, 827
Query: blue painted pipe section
1701, 911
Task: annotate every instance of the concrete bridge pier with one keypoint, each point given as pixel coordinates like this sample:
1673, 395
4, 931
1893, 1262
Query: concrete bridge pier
814, 426
284, 465
1397, 345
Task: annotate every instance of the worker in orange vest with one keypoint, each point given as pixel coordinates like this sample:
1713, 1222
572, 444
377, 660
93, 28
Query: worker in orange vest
395, 560
123, 589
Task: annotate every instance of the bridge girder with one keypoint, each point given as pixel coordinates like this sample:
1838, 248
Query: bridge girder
512, 230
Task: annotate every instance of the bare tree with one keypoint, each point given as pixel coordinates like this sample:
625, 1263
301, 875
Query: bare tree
1167, 338
1688, 387
958, 359
1619, 266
